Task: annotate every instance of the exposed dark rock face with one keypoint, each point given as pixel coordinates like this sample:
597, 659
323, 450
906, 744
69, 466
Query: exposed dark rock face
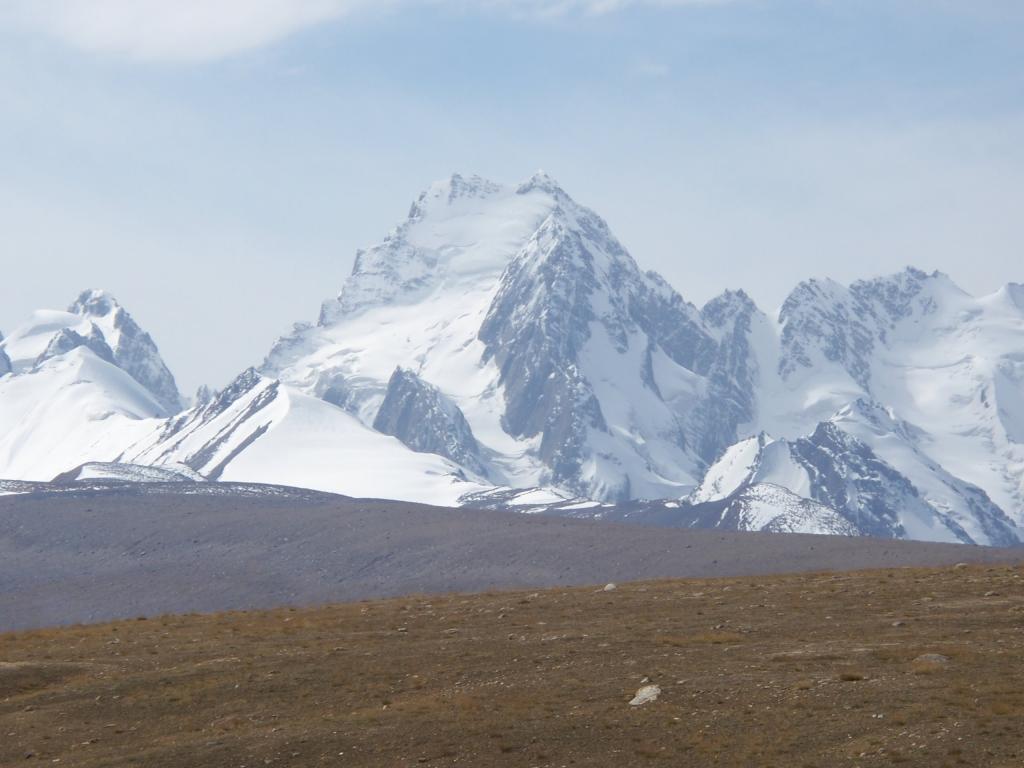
849, 477
731, 370
852, 487
261, 393
572, 280
845, 325
335, 389
671, 322
133, 349
427, 421
5, 361
846, 475
544, 314
202, 396
537, 351
66, 340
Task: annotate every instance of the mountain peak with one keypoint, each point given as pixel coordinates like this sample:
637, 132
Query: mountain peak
461, 233
446, 192
540, 181
96, 302
132, 348
1014, 293
919, 274
901, 294
729, 302
909, 277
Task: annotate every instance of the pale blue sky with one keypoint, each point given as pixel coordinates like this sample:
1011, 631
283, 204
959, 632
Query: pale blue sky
218, 171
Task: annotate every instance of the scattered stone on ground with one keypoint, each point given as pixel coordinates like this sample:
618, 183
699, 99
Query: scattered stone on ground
645, 695
776, 684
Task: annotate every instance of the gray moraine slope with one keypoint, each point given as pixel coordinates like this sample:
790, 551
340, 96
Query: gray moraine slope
89, 553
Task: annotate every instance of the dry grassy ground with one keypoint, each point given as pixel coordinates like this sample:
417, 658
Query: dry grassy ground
810, 670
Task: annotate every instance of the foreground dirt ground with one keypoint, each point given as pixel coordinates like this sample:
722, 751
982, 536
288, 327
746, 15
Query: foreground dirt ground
812, 670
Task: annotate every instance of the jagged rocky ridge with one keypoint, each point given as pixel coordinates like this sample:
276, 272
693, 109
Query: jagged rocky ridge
133, 349
66, 340
840, 472
97, 322
501, 338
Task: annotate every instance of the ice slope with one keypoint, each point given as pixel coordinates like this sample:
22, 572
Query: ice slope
755, 460
258, 430
72, 408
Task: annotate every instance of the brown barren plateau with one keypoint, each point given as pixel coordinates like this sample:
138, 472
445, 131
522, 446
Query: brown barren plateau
912, 667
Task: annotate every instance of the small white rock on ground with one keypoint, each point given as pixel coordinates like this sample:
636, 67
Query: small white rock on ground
645, 695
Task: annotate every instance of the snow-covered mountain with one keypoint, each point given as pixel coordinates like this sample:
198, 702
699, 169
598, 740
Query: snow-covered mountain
79, 386
909, 498
927, 376
95, 321
259, 430
559, 362
502, 339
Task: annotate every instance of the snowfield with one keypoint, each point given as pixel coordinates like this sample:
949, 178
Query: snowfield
73, 408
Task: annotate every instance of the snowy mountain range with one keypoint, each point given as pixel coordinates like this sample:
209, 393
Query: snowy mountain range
500, 343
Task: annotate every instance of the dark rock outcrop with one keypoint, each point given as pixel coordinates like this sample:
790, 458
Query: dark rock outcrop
66, 340
427, 421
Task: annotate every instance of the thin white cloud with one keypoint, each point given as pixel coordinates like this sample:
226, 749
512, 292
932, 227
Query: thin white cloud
176, 29
210, 29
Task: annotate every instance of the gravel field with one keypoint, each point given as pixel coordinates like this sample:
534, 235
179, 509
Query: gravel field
871, 669
72, 556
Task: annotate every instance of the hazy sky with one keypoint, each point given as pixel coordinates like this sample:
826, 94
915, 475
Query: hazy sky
216, 164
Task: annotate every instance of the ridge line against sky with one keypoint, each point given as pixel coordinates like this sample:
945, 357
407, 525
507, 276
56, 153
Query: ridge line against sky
220, 183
